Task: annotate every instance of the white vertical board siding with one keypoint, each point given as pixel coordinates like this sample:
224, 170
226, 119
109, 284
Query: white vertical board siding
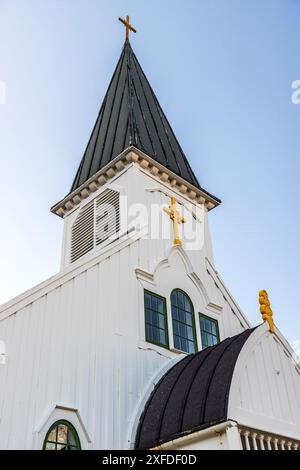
78, 346
265, 389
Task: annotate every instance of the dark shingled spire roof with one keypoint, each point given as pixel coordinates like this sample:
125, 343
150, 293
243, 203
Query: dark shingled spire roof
131, 116
192, 395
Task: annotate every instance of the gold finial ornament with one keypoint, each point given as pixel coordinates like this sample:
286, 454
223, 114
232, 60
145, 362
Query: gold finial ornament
128, 26
176, 218
265, 309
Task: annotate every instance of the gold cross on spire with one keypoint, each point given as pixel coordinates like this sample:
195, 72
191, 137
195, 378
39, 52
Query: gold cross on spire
128, 26
176, 218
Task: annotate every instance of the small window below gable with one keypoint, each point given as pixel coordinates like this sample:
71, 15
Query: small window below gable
96, 222
209, 329
156, 324
62, 436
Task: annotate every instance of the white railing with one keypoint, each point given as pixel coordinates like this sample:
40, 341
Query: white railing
260, 440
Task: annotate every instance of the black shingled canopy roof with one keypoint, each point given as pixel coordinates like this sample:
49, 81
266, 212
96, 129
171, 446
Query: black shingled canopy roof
192, 395
130, 115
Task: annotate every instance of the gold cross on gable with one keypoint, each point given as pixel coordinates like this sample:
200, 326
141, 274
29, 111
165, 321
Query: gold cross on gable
176, 218
128, 26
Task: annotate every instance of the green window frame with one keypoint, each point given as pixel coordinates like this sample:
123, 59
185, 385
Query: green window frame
156, 323
209, 328
183, 321
62, 436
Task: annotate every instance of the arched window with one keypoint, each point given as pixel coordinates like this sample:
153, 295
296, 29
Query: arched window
62, 436
183, 322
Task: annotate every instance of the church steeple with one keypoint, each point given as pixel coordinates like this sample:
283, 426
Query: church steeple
131, 115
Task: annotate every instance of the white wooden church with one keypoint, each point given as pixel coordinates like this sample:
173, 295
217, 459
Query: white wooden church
137, 343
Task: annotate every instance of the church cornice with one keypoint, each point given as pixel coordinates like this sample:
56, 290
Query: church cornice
133, 155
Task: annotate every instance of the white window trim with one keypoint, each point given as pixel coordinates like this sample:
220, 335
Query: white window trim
57, 413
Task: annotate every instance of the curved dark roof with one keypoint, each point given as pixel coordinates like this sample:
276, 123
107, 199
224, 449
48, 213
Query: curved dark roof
131, 115
192, 395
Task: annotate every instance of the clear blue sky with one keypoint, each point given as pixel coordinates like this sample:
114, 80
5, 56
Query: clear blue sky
222, 70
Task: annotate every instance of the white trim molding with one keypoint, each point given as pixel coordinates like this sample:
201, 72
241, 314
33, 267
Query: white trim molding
133, 156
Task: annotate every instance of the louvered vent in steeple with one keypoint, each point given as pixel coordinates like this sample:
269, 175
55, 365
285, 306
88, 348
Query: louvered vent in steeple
96, 222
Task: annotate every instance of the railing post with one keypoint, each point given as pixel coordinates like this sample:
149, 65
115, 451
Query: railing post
261, 442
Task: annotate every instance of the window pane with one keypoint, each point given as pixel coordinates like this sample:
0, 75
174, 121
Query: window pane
71, 438
161, 321
176, 328
204, 339
50, 446
148, 333
62, 433
155, 319
62, 447
190, 333
187, 304
209, 331
182, 316
147, 300
175, 313
207, 326
183, 331
155, 334
52, 435
183, 322
184, 346
160, 305
180, 300
176, 342
148, 316
154, 303
162, 336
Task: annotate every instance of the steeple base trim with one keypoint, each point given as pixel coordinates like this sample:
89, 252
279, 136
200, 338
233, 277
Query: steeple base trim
132, 155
